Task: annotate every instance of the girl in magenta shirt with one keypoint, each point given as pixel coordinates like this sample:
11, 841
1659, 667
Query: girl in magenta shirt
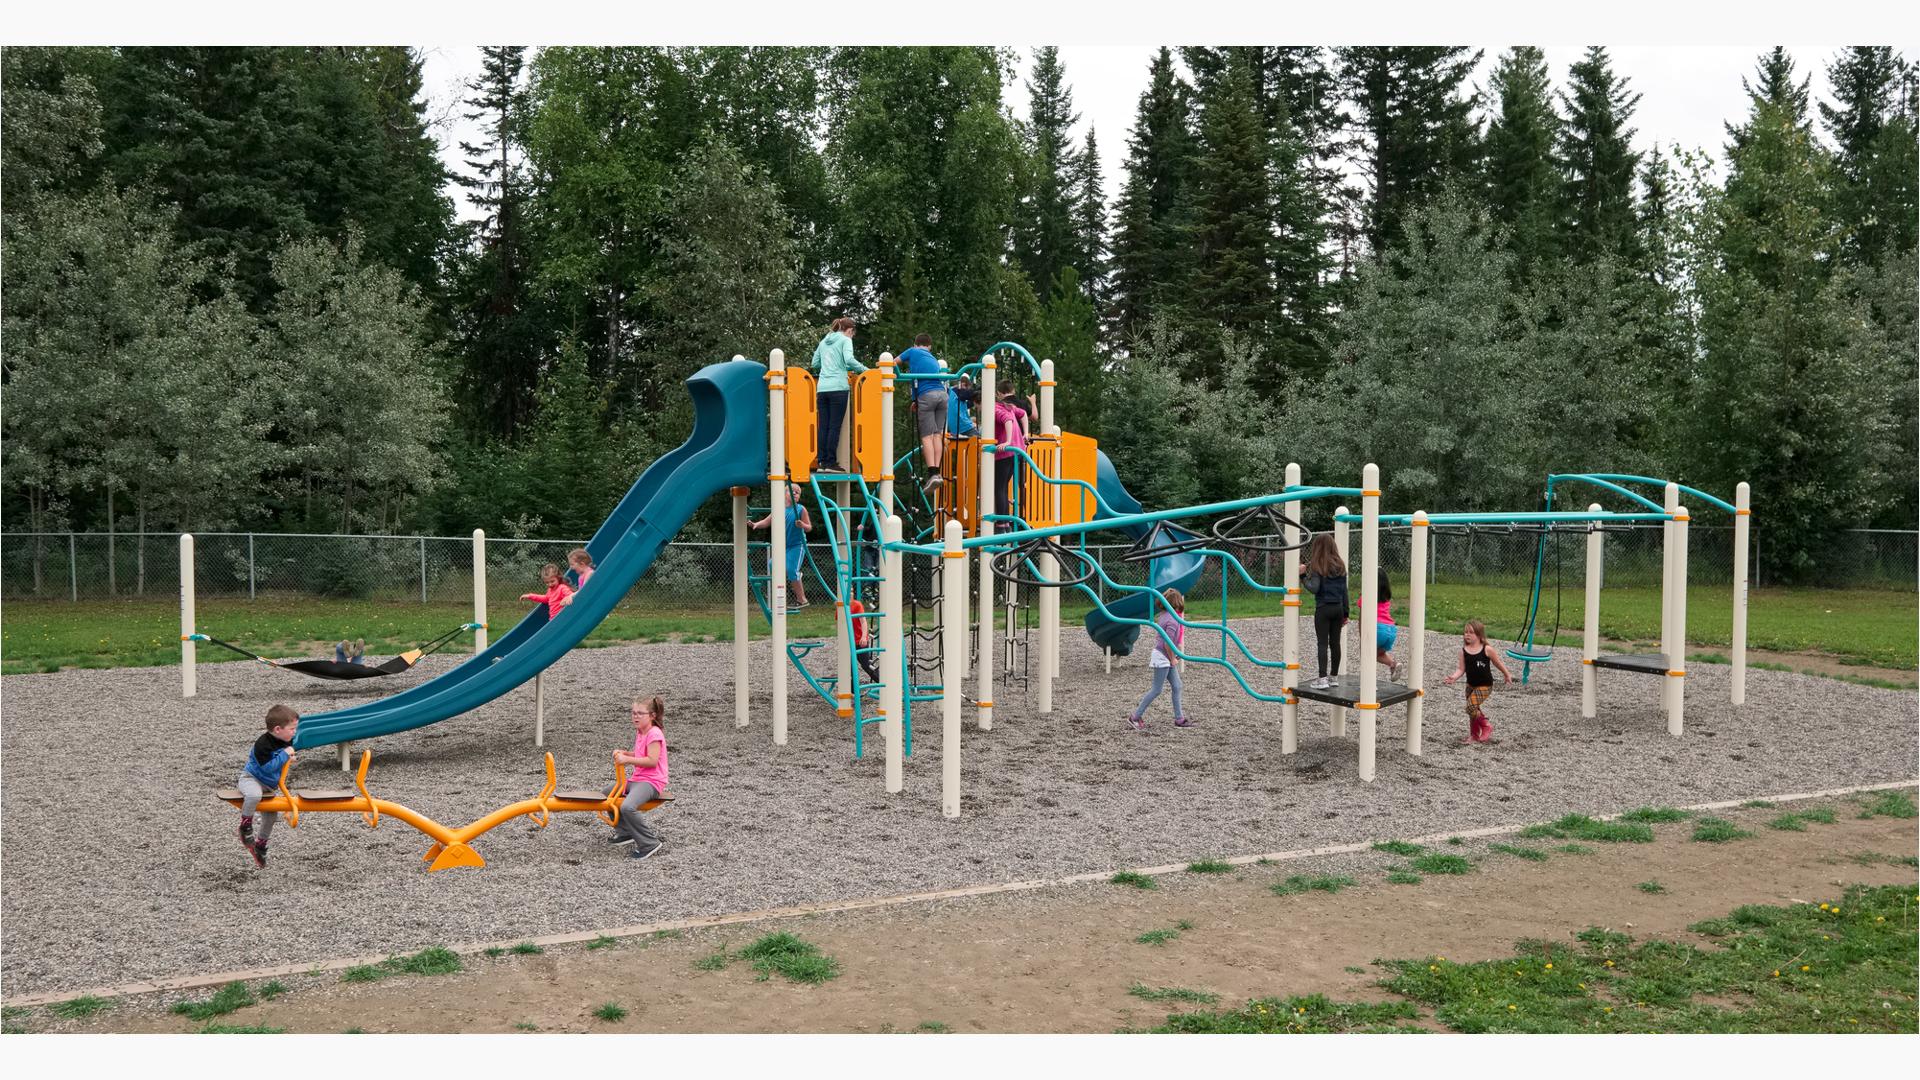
1165, 668
1385, 633
648, 779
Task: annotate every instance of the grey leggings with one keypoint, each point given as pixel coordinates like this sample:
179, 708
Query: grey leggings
632, 822
253, 792
1162, 676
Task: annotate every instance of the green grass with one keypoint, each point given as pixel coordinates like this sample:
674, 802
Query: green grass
793, 958
711, 962
1209, 866
354, 1031
1582, 827
1312, 1014
1868, 858
80, 1008
1574, 849
1299, 883
1655, 815
494, 951
1651, 887
1351, 970
1183, 924
1138, 881
433, 960
242, 1029
1157, 937
1403, 877
1710, 830
1398, 847
1756, 804
1896, 804
1821, 814
602, 942
272, 989
1788, 823
1172, 993
1870, 626
1456, 841
610, 1012
229, 998
13, 1020
524, 948
932, 1027
666, 935
1438, 863
1774, 969
525, 1025
1518, 852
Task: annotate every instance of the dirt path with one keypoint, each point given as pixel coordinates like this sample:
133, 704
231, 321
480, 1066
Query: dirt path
1061, 959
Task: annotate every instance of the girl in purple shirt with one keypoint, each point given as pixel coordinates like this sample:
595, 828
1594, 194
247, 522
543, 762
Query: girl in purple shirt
1166, 672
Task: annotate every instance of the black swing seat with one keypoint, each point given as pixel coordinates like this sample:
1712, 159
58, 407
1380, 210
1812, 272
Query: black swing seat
333, 669
1644, 663
1345, 692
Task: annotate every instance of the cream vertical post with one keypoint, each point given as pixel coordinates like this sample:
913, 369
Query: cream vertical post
777, 535
1677, 657
1417, 630
953, 651
189, 678
1742, 522
888, 365
983, 665
1590, 627
1667, 590
1290, 628
480, 590
1050, 598
1369, 703
1339, 729
892, 638
742, 673
539, 712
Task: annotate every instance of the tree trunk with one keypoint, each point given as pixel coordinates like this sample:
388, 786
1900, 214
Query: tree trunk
37, 507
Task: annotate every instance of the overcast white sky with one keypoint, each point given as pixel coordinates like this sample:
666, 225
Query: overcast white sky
1688, 92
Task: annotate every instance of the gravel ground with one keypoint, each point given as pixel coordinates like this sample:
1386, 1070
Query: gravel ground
150, 882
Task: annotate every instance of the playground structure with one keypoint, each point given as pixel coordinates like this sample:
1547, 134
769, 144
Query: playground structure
451, 847
1064, 490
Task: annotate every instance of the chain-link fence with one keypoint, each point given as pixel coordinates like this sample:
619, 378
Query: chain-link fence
438, 569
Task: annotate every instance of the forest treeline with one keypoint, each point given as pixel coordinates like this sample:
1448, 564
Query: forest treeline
238, 294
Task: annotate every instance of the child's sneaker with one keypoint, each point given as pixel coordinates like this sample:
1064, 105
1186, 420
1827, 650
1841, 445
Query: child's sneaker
259, 850
619, 839
1181, 721
246, 833
1137, 723
645, 853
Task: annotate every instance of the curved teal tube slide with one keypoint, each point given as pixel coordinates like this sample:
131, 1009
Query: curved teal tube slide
728, 448
1171, 571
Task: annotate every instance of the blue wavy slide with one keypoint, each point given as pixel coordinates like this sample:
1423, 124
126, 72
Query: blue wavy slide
1170, 571
728, 447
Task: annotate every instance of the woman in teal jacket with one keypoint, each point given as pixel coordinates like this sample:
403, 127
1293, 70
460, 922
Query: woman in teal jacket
833, 359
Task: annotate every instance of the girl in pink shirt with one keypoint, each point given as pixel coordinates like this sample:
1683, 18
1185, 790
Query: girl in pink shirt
557, 592
647, 781
581, 565
1385, 633
1165, 668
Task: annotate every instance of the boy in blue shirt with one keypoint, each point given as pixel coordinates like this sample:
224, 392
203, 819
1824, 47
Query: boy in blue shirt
261, 774
929, 402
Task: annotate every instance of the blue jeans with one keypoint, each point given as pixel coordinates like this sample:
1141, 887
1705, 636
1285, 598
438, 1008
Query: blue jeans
1162, 676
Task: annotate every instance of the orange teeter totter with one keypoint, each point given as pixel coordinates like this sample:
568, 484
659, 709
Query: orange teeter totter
451, 847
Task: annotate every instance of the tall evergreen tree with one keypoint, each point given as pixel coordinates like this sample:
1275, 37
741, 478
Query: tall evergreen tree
1091, 247
1524, 185
1151, 255
1417, 126
1597, 147
1873, 136
1233, 287
1773, 85
499, 343
1044, 241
